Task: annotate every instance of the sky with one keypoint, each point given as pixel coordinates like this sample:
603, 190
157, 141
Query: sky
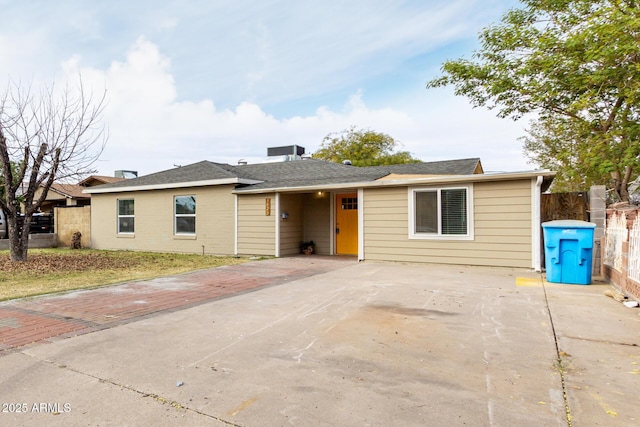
223, 80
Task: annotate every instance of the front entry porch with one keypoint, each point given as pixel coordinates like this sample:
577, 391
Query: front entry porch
328, 219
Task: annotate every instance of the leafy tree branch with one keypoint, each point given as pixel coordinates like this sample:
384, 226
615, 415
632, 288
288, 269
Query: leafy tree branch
574, 65
362, 147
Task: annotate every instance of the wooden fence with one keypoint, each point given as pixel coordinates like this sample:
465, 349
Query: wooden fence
564, 206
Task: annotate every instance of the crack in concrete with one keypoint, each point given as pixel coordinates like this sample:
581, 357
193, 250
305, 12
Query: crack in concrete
601, 341
154, 396
559, 362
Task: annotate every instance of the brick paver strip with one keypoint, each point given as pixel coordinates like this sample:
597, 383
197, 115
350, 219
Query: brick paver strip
31, 328
32, 320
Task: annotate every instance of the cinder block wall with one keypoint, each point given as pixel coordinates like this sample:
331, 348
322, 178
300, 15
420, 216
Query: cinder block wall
47, 240
68, 220
598, 215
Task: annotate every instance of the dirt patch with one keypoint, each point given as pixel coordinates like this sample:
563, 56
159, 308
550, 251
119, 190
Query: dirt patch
53, 263
56, 270
389, 326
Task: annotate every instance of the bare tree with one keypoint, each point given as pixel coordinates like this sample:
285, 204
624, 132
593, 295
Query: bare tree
52, 136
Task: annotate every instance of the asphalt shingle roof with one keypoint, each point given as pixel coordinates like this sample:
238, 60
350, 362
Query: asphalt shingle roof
69, 190
201, 171
298, 173
445, 167
302, 173
99, 180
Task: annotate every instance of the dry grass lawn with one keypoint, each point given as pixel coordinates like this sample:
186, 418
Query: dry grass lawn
56, 270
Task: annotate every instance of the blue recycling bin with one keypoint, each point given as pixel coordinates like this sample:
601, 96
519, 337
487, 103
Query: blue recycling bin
568, 247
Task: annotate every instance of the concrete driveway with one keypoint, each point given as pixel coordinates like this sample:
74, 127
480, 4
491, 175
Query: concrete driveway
357, 345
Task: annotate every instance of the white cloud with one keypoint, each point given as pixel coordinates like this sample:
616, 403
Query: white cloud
270, 52
322, 48
191, 80
151, 130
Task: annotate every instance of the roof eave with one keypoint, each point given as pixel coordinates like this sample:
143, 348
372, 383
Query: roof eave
65, 194
166, 186
434, 180
62, 193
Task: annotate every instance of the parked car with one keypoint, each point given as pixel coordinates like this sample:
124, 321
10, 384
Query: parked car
40, 223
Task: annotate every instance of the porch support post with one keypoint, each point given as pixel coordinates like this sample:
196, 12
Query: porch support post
277, 217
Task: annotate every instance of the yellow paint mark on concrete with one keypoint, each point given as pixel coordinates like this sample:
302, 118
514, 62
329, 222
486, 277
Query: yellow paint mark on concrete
635, 371
528, 281
604, 405
244, 405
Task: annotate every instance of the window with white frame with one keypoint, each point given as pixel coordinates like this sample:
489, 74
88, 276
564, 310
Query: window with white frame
126, 216
441, 213
185, 214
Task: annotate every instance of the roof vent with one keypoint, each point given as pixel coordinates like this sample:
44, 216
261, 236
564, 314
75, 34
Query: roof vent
242, 162
346, 162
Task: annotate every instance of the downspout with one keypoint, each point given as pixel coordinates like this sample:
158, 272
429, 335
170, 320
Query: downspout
536, 248
277, 248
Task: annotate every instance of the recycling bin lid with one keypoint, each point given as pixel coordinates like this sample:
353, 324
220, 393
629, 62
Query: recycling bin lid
568, 223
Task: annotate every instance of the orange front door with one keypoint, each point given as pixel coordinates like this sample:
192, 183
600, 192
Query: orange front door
347, 224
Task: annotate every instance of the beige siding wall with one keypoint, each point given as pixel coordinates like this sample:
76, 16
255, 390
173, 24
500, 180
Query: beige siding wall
154, 221
70, 220
317, 221
502, 216
256, 231
51, 195
291, 228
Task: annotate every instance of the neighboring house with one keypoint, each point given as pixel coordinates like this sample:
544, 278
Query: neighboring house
442, 212
62, 195
67, 209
